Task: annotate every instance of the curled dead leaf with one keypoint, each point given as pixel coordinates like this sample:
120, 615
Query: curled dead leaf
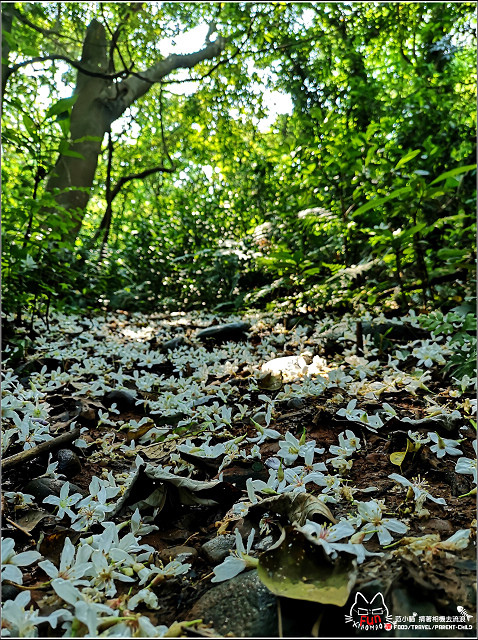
296, 507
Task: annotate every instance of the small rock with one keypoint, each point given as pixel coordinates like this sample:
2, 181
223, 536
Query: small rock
124, 400
41, 488
437, 525
220, 332
181, 553
172, 344
242, 607
295, 403
264, 544
69, 464
87, 413
218, 548
9, 592
307, 324
376, 458
239, 474
260, 417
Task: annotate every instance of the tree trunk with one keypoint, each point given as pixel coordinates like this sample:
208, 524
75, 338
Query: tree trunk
7, 20
72, 177
101, 101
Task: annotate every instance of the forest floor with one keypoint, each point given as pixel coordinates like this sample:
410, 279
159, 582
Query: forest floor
312, 458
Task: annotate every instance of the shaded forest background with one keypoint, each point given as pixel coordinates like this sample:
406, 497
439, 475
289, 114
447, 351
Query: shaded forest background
154, 184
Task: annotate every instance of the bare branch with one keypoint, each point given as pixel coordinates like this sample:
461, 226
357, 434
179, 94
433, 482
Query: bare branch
136, 86
73, 63
138, 176
44, 447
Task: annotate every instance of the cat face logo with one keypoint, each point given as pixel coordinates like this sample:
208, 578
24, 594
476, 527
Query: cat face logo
369, 616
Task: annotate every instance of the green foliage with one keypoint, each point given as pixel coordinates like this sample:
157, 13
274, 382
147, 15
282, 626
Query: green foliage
362, 197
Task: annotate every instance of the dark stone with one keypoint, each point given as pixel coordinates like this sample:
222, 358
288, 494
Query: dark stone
437, 525
172, 344
9, 592
69, 464
260, 418
295, 403
223, 332
445, 421
124, 400
217, 549
242, 607
41, 488
264, 544
300, 321
181, 553
239, 473
404, 602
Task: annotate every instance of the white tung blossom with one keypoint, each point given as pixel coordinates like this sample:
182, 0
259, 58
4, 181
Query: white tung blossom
372, 514
418, 487
444, 446
328, 537
12, 561
467, 465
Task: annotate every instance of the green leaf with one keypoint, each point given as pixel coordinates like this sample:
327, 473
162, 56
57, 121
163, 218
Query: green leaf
312, 272
454, 172
447, 253
10, 135
73, 154
29, 125
407, 233
300, 570
87, 139
435, 192
65, 125
64, 150
406, 158
61, 106
376, 202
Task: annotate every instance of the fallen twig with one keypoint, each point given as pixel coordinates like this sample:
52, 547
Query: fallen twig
44, 447
17, 526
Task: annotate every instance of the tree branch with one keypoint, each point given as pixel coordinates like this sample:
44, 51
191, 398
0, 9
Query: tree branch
137, 85
44, 447
111, 194
73, 63
138, 176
